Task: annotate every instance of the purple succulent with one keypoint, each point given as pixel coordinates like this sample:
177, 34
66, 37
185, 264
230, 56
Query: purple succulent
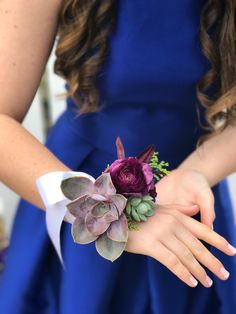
99, 213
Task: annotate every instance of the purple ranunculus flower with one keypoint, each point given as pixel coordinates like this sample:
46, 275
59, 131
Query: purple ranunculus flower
131, 176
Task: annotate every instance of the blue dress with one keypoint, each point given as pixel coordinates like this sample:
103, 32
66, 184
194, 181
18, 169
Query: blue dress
147, 87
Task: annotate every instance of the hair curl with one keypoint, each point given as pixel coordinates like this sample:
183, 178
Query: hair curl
84, 28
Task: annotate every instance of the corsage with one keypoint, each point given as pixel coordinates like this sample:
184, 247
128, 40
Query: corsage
106, 208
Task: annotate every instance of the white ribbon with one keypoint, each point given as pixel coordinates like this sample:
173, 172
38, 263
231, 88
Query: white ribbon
55, 203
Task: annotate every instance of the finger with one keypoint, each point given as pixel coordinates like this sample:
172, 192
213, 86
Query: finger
185, 255
172, 262
203, 255
205, 200
189, 210
206, 234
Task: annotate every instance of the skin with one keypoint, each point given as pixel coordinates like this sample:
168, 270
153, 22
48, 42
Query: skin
27, 34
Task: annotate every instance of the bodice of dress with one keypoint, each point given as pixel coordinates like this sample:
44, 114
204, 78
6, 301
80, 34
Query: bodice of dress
147, 84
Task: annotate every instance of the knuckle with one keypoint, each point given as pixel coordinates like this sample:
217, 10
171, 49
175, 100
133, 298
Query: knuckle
182, 272
212, 198
187, 254
214, 215
198, 246
175, 212
163, 230
170, 220
173, 262
197, 268
215, 263
223, 241
200, 273
206, 231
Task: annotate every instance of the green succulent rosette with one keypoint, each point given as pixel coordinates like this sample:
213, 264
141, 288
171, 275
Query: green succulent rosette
138, 209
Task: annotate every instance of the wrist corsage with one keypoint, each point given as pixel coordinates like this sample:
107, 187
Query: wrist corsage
103, 209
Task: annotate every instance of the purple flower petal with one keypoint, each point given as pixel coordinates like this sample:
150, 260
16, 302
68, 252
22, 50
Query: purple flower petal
103, 185
81, 234
96, 225
109, 249
119, 201
75, 187
81, 206
128, 176
116, 165
118, 230
147, 170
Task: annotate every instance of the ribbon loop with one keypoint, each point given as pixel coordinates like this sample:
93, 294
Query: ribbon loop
49, 187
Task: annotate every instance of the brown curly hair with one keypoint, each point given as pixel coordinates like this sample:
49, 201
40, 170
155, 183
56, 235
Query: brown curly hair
84, 27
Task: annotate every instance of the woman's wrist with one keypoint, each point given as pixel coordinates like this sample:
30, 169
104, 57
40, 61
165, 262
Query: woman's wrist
215, 158
214, 171
196, 163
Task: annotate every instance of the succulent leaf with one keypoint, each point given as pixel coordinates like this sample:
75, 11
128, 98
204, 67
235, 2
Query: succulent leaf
147, 204
96, 225
100, 209
80, 233
150, 213
135, 201
103, 185
128, 208
142, 217
81, 206
118, 230
134, 214
152, 204
75, 187
98, 197
119, 201
147, 197
142, 208
108, 248
112, 215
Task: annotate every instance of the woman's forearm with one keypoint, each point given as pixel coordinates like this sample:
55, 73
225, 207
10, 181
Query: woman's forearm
216, 158
23, 159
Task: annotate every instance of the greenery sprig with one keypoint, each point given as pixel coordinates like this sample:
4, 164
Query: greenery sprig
159, 168
131, 224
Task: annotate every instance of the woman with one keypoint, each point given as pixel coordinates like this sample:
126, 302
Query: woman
131, 68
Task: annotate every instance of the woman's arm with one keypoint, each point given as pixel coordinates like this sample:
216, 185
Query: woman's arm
27, 34
216, 158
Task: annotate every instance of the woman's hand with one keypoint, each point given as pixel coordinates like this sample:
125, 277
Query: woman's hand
188, 187
173, 239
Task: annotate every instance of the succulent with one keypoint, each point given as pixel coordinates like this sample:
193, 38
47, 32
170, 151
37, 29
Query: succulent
99, 213
140, 208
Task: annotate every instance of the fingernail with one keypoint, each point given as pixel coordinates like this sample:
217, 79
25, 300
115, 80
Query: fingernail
193, 281
212, 227
224, 272
209, 281
232, 248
